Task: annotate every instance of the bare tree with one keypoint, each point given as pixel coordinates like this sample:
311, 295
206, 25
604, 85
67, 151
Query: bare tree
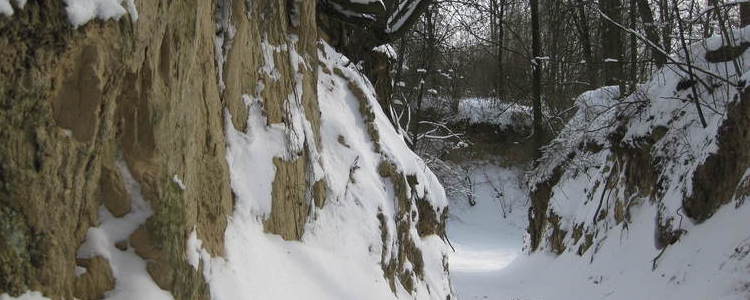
652, 34
744, 14
581, 19
536, 72
612, 45
369, 24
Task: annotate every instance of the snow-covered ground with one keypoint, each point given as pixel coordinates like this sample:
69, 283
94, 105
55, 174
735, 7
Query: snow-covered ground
623, 268
619, 244
489, 262
484, 241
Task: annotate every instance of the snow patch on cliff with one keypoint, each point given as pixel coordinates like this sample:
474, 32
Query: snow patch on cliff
132, 281
7, 9
81, 12
29, 295
339, 256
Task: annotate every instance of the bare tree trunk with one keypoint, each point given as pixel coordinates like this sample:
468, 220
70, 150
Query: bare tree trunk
707, 29
428, 51
500, 36
667, 22
536, 74
554, 76
584, 32
612, 44
689, 63
647, 17
633, 48
398, 77
744, 14
727, 34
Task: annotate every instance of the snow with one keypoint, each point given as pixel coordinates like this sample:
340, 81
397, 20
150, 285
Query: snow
81, 12
80, 271
624, 262
269, 63
7, 9
711, 260
176, 179
270, 268
483, 239
339, 256
252, 153
685, 144
622, 269
485, 243
388, 50
393, 146
591, 123
195, 251
505, 115
29, 295
132, 281
490, 264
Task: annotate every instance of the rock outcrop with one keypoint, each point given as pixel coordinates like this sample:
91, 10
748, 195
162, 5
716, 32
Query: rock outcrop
80, 108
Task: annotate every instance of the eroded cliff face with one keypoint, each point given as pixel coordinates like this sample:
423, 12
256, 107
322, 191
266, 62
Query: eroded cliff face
97, 120
638, 188
77, 100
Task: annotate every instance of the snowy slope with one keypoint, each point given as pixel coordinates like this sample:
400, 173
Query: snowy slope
710, 262
615, 193
342, 252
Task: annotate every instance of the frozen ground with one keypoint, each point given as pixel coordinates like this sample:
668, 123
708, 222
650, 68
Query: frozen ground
489, 262
484, 241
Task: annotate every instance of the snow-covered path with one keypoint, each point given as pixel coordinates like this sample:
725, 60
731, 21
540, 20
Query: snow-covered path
484, 241
489, 262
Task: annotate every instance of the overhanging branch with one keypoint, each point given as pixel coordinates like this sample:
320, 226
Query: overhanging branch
380, 21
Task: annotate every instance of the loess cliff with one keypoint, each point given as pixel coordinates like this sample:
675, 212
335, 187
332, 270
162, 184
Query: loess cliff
202, 150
